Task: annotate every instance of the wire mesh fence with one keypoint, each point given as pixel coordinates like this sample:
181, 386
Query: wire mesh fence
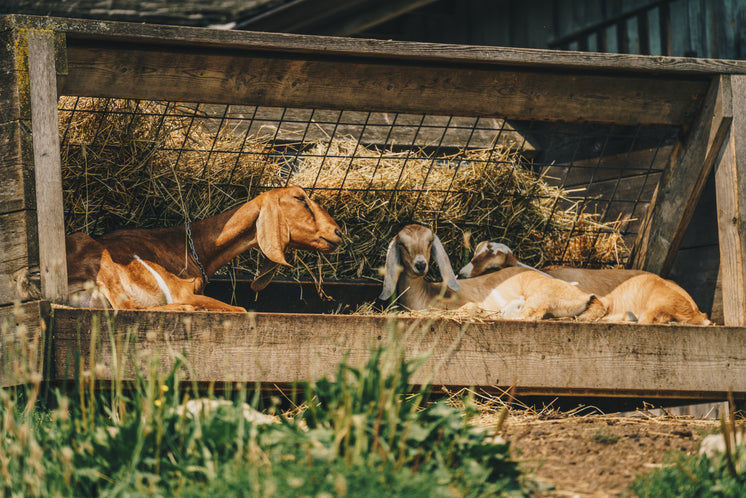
557, 193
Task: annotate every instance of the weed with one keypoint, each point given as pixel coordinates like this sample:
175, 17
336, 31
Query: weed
722, 473
605, 437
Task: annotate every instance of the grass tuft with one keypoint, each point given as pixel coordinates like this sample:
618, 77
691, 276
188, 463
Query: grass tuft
366, 430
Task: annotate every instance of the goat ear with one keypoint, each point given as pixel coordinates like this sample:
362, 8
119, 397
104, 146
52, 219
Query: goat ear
391, 271
272, 232
438, 253
265, 274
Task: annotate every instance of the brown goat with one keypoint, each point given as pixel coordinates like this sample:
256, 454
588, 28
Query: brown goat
650, 298
167, 268
515, 292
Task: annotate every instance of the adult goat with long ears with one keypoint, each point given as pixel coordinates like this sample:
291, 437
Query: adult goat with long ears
168, 268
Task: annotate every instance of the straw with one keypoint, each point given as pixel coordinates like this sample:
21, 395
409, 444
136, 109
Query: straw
145, 164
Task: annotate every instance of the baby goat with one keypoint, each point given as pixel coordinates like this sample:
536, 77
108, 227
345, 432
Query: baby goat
650, 298
514, 292
167, 268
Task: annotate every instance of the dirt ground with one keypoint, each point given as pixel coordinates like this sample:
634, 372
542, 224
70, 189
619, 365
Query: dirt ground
600, 455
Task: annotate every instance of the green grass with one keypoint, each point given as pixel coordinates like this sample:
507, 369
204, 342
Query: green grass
722, 474
694, 476
362, 432
605, 437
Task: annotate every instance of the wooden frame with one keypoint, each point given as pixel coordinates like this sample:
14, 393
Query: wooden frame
105, 59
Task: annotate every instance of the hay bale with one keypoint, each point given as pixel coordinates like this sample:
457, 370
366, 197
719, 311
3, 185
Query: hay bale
147, 164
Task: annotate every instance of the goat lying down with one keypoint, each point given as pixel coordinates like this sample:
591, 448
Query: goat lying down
515, 292
167, 268
646, 296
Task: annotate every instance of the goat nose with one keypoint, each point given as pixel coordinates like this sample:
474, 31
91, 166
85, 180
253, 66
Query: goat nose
338, 232
420, 266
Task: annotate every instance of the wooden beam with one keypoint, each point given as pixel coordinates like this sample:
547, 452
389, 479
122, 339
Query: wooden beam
22, 343
47, 164
682, 182
545, 357
104, 32
730, 181
179, 74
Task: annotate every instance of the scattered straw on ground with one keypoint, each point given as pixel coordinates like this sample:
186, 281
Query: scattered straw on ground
583, 451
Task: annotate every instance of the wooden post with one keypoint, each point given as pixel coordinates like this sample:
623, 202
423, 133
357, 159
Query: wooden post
18, 234
730, 184
47, 164
682, 182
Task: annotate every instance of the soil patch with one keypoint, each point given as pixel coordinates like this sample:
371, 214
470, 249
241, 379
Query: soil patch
600, 455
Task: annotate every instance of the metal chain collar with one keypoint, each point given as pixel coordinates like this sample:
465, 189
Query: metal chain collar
194, 251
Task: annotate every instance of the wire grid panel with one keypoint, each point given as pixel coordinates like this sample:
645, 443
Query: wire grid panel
556, 193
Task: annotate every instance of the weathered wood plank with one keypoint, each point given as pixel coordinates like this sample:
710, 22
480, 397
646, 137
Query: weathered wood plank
371, 129
104, 31
190, 75
9, 98
717, 314
537, 357
18, 251
682, 182
16, 175
47, 164
730, 181
22, 343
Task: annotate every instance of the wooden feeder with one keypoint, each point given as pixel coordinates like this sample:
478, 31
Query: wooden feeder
43, 58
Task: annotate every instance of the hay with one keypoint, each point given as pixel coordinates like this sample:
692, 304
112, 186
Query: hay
147, 164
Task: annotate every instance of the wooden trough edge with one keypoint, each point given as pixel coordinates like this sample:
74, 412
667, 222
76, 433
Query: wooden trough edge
536, 358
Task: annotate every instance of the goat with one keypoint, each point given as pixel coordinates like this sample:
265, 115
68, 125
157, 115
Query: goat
514, 292
646, 296
168, 268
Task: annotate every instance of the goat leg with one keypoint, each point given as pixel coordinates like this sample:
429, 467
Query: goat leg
199, 302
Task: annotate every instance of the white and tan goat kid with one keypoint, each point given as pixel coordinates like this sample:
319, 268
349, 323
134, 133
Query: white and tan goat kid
489, 257
514, 292
167, 268
408, 261
646, 296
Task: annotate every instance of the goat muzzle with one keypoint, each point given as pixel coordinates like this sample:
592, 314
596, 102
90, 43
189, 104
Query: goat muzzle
420, 267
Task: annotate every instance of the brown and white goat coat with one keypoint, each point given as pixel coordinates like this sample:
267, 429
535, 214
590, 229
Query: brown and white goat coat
167, 268
646, 296
515, 292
